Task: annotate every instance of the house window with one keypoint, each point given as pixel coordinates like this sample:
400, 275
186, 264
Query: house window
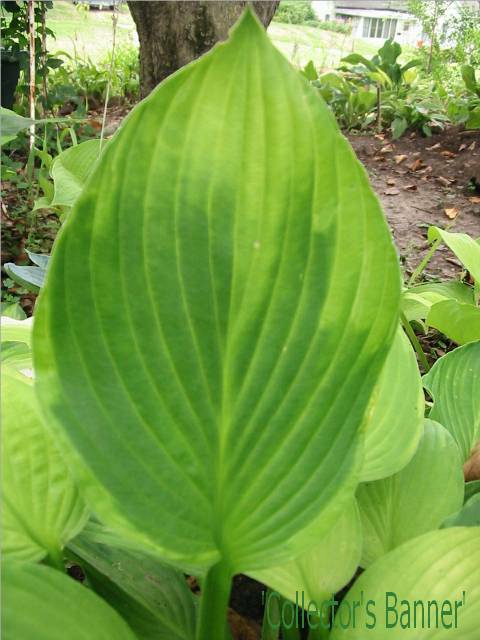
379, 28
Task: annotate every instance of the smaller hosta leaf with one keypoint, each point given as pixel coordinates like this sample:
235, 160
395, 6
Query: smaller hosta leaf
326, 567
454, 384
32, 278
458, 321
438, 567
463, 246
468, 516
395, 416
418, 300
39, 603
40, 259
415, 500
42, 509
472, 488
18, 356
152, 597
12, 123
13, 330
450, 290
71, 170
12, 310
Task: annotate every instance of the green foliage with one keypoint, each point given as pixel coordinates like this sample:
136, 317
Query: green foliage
437, 566
14, 25
234, 519
352, 105
294, 11
41, 603
41, 506
152, 597
419, 109
416, 499
30, 277
383, 69
454, 385
83, 82
330, 25
450, 307
463, 31
222, 376
394, 420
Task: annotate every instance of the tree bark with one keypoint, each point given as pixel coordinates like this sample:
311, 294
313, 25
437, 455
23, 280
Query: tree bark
171, 34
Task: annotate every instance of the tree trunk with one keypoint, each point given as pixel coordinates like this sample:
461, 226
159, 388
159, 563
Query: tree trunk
171, 34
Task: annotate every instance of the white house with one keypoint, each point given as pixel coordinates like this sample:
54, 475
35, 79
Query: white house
373, 19
378, 20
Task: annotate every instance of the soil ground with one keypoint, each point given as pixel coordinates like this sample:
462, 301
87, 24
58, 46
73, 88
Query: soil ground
423, 182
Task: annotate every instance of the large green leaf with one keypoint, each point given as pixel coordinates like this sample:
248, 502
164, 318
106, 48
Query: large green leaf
458, 321
438, 566
394, 422
153, 598
463, 246
39, 603
41, 506
326, 567
415, 500
454, 384
214, 332
70, 171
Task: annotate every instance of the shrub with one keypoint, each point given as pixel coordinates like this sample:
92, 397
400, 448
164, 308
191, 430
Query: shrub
80, 80
331, 25
293, 12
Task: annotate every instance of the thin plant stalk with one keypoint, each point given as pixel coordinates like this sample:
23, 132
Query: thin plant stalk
418, 271
271, 618
31, 33
379, 108
110, 73
415, 341
215, 593
44, 58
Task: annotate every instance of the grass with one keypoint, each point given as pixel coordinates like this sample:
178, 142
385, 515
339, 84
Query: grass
325, 48
89, 34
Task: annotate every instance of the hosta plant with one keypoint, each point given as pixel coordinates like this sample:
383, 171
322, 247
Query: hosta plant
216, 359
451, 307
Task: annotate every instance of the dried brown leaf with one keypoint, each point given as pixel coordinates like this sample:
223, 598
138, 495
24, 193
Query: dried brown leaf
416, 164
451, 213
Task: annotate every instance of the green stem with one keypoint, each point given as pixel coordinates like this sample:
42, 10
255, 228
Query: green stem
55, 559
290, 634
212, 622
319, 633
322, 631
415, 342
271, 618
424, 262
